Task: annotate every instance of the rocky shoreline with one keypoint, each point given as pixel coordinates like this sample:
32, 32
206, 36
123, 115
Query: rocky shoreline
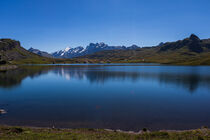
8, 67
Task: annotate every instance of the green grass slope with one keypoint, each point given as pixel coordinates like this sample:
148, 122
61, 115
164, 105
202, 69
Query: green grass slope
11, 52
190, 51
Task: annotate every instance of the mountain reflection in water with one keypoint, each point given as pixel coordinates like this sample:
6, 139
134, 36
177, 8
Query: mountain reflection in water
127, 97
189, 78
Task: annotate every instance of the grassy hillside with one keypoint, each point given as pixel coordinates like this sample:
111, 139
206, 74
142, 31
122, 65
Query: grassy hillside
20, 133
190, 51
11, 52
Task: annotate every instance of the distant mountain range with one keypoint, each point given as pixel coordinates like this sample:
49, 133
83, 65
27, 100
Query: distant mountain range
41, 53
189, 51
80, 51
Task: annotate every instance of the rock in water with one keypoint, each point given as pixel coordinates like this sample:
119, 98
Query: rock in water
2, 111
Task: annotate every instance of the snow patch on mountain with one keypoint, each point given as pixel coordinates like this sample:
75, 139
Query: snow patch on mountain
90, 49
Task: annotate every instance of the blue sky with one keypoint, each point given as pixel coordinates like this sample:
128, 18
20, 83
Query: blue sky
52, 25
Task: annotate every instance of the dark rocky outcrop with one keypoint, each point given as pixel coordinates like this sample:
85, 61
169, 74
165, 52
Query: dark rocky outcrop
193, 43
8, 44
11, 51
3, 62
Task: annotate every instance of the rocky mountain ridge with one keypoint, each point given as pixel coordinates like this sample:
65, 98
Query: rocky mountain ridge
90, 49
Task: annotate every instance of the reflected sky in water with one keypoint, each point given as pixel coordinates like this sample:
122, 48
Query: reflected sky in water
128, 97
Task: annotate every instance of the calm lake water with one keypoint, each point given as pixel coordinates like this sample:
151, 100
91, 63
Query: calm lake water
127, 96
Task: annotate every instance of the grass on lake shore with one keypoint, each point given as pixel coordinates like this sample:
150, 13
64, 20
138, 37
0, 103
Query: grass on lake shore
25, 133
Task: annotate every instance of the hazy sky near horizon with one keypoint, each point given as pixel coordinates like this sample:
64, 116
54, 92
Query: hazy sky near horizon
52, 25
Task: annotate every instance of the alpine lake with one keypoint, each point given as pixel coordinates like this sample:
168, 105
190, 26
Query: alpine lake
112, 96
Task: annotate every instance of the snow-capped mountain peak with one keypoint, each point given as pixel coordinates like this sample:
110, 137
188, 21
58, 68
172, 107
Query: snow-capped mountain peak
90, 49
69, 52
67, 49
